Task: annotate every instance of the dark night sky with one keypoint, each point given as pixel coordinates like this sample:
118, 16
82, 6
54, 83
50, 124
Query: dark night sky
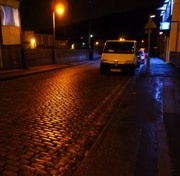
37, 14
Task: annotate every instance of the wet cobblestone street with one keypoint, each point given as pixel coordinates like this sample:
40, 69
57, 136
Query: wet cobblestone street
48, 121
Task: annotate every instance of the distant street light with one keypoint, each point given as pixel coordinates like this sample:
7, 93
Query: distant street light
59, 9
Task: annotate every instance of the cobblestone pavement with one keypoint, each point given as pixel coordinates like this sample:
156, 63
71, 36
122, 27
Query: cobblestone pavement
48, 121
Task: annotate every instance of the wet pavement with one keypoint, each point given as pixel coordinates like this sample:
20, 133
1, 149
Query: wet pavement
142, 136
49, 120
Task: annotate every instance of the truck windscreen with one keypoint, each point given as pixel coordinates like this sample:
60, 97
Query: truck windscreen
119, 47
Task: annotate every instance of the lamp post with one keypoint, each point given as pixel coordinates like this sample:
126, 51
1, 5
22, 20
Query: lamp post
59, 8
89, 33
149, 41
54, 36
149, 25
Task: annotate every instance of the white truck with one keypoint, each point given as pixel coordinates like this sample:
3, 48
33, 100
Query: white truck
119, 56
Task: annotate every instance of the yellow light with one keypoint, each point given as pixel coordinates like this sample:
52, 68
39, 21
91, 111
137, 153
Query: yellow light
73, 46
33, 43
60, 8
121, 39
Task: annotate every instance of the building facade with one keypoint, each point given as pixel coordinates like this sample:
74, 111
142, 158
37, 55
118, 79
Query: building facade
10, 29
169, 43
174, 43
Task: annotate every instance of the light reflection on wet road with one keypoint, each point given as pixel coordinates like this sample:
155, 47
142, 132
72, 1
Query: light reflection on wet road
49, 121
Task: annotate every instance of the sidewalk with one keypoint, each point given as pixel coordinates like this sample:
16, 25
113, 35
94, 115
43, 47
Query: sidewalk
10, 74
143, 139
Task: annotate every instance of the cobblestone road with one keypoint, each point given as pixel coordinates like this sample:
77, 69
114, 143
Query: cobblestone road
50, 120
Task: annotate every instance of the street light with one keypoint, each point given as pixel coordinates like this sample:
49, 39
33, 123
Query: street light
59, 9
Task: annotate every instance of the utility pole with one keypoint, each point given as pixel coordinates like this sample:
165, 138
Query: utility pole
150, 25
89, 33
54, 39
149, 44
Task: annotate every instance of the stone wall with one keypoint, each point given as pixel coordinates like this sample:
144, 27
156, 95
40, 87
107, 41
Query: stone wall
66, 56
36, 57
13, 57
42, 56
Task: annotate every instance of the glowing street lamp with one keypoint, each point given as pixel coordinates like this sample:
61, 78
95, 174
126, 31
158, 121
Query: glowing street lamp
59, 9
